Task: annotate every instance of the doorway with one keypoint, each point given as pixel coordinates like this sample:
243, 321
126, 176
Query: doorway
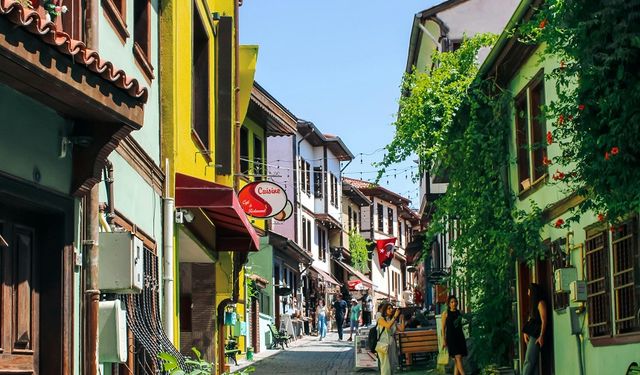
36, 277
524, 280
544, 273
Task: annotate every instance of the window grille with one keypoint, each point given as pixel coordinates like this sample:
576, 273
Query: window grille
597, 259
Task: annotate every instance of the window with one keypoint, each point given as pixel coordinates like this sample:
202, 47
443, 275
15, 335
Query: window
400, 234
356, 223
258, 165
335, 191
116, 12
304, 233
317, 182
142, 35
598, 298
322, 244
349, 214
380, 218
530, 128
200, 84
244, 151
308, 239
626, 277
305, 176
390, 219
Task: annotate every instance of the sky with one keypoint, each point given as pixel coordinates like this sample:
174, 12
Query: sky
338, 64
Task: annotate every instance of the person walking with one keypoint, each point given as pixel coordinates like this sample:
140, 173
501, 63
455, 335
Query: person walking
386, 346
321, 314
339, 310
534, 330
355, 316
367, 309
454, 339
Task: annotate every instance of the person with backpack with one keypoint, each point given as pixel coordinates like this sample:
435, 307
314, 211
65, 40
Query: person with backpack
386, 343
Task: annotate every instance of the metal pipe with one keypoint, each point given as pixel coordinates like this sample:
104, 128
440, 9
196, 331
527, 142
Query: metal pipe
92, 14
92, 293
111, 203
236, 91
168, 253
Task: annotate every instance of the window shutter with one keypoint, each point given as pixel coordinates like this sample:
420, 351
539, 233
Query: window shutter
224, 75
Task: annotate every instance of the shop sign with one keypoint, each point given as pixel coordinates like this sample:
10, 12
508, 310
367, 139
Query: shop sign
262, 199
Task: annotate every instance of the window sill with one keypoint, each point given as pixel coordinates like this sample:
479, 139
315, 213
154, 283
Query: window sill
537, 184
143, 63
628, 338
202, 150
112, 14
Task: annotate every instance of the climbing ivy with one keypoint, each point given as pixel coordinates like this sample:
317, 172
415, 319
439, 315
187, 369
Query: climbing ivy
597, 113
358, 249
459, 125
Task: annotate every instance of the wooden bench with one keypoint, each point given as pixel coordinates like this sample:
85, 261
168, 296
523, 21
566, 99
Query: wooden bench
417, 341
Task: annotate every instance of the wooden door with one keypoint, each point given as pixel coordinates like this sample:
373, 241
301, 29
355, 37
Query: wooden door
524, 280
544, 272
19, 300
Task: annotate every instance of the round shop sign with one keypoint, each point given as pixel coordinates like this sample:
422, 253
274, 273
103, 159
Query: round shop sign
285, 213
262, 199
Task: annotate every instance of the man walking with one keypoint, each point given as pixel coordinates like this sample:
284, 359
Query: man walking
339, 308
367, 308
356, 314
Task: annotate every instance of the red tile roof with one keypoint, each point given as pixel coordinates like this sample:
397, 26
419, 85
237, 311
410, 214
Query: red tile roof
358, 183
47, 31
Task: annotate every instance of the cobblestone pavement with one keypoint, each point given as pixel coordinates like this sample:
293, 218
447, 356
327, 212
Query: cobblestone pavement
308, 356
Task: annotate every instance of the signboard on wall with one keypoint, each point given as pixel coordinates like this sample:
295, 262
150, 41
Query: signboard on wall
263, 199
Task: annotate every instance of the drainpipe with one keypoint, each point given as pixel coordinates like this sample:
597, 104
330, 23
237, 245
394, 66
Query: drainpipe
92, 294
91, 19
110, 197
236, 91
167, 245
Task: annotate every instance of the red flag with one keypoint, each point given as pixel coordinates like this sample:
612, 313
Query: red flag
385, 251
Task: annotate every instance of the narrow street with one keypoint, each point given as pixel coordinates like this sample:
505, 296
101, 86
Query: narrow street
309, 356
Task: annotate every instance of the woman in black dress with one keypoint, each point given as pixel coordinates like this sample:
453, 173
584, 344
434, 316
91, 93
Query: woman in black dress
453, 336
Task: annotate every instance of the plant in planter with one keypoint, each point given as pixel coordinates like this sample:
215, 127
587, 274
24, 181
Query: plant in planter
54, 8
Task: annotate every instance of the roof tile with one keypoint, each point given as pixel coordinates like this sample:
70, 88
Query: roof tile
31, 21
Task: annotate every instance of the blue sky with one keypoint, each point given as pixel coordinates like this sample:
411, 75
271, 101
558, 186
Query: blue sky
338, 63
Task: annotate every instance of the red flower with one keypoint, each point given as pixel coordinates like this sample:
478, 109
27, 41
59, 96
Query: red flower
558, 176
545, 160
606, 156
543, 23
559, 223
549, 138
581, 107
614, 150
600, 217
560, 119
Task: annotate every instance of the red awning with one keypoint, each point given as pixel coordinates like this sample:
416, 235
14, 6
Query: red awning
364, 279
220, 203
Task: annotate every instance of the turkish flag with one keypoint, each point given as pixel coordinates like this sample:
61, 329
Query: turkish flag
385, 251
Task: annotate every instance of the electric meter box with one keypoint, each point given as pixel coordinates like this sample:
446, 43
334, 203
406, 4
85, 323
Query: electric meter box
564, 277
112, 328
578, 291
121, 263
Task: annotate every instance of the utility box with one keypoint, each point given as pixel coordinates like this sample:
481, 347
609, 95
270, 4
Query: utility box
112, 328
564, 277
121, 263
578, 291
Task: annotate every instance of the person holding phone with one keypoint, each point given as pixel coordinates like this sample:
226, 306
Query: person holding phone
386, 347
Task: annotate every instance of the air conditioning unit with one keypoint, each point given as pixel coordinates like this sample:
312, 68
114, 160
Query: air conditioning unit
112, 328
121, 263
564, 277
578, 291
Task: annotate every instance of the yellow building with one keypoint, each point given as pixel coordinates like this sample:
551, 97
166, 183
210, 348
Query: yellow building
206, 82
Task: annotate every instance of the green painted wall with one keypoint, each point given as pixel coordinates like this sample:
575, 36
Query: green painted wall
121, 55
261, 264
613, 359
30, 139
